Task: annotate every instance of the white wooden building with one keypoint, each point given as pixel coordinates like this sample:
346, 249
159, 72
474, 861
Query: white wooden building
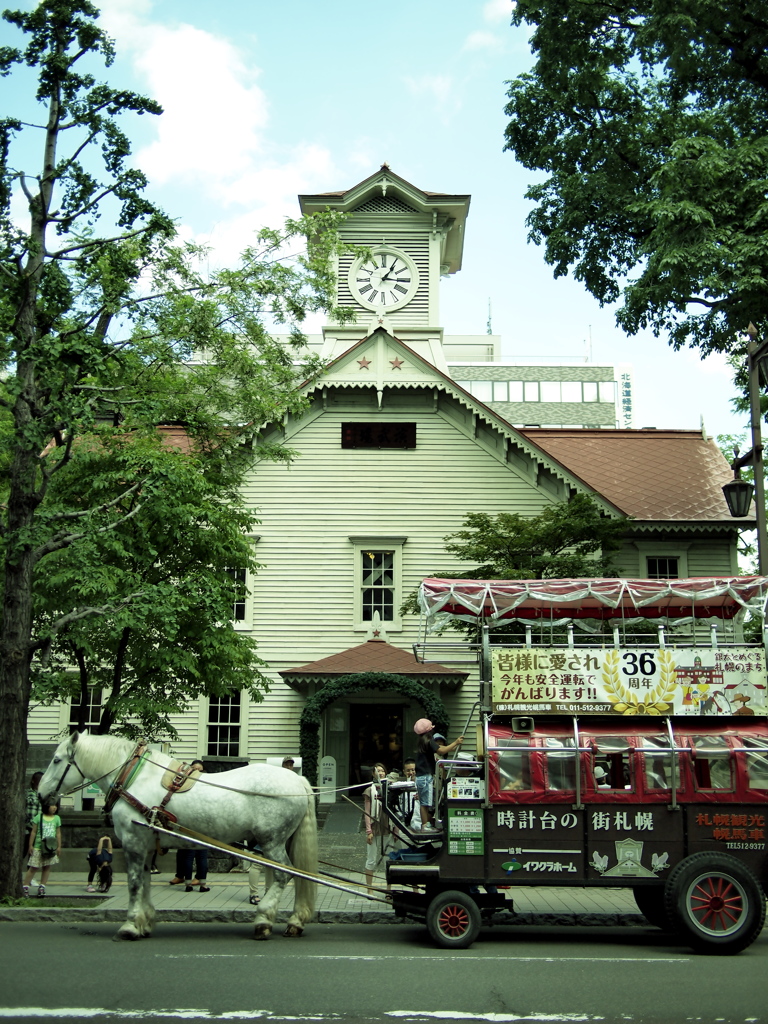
393, 453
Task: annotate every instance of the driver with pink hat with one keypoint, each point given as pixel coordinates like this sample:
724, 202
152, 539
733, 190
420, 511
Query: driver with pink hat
431, 745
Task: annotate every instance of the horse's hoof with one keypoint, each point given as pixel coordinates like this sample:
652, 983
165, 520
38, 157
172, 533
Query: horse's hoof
293, 931
262, 931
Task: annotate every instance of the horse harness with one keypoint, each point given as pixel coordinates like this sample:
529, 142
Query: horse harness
178, 778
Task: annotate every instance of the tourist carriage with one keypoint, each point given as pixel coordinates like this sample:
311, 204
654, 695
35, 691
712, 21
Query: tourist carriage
622, 742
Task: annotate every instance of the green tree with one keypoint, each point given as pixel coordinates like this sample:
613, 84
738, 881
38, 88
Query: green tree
108, 331
572, 538
650, 122
174, 639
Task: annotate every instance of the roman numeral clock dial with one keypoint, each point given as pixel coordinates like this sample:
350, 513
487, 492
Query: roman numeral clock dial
385, 281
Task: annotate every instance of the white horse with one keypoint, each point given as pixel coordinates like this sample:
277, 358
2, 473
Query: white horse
272, 805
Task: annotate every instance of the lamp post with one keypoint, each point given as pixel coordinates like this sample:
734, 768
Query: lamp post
738, 492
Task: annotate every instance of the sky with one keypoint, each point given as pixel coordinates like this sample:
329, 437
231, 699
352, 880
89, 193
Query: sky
264, 100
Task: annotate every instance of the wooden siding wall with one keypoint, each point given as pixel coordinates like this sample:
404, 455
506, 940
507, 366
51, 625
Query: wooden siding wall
302, 600
706, 556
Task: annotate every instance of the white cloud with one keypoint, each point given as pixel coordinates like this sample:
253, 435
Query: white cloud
498, 10
482, 41
214, 112
436, 88
213, 134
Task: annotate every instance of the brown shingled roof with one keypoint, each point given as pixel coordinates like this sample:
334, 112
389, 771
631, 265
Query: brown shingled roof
666, 475
373, 656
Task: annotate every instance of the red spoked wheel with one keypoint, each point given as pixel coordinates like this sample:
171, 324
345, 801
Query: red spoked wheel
715, 902
453, 920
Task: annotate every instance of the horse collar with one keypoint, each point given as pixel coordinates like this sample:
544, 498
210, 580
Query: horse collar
127, 772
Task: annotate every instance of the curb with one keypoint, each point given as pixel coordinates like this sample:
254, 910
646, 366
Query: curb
100, 915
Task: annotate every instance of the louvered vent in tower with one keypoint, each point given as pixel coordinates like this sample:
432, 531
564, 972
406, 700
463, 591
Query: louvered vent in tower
383, 204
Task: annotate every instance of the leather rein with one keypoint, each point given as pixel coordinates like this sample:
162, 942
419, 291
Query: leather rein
118, 790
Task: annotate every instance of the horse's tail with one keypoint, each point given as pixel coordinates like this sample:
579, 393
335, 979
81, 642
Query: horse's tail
303, 854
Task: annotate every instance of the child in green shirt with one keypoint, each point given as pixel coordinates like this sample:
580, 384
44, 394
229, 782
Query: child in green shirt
46, 832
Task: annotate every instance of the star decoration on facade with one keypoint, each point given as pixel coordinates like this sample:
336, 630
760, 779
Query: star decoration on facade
396, 363
376, 632
363, 363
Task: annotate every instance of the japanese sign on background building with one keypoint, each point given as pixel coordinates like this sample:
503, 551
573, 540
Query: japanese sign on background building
659, 681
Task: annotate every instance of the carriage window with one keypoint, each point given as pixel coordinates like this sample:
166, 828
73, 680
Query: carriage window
514, 768
712, 766
224, 726
658, 763
757, 763
613, 768
560, 763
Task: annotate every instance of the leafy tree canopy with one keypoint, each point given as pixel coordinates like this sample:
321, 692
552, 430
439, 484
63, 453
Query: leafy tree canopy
570, 539
650, 121
109, 328
165, 566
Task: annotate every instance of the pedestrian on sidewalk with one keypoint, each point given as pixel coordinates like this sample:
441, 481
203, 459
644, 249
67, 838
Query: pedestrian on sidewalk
378, 833
187, 856
100, 861
44, 847
184, 863
32, 806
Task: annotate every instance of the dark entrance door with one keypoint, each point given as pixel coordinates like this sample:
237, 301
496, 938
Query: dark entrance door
375, 734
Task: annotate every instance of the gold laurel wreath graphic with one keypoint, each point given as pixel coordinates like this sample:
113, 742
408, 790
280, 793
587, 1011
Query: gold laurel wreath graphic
657, 702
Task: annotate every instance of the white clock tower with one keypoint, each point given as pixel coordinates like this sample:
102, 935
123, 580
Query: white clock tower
415, 237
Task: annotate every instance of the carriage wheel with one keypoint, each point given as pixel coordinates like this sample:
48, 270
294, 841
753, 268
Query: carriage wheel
650, 903
453, 920
715, 903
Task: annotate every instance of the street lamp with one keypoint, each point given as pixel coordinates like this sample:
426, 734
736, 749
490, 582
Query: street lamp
738, 492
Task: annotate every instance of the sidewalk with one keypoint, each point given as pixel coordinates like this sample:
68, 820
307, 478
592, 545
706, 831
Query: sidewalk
342, 853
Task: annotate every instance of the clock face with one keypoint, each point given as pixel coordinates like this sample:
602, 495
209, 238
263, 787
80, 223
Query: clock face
386, 280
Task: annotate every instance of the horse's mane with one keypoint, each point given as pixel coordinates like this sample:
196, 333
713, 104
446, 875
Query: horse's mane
112, 749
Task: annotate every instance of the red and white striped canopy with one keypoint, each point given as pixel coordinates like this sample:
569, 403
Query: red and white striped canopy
721, 597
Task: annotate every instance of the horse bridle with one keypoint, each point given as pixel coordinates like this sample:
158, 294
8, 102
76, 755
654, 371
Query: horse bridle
71, 762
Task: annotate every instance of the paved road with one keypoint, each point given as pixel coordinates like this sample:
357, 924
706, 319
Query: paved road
352, 974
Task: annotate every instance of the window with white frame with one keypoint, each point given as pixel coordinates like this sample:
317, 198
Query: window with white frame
541, 391
239, 578
86, 715
224, 726
663, 567
662, 560
607, 391
378, 586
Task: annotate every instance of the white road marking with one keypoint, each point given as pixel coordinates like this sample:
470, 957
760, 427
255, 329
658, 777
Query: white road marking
499, 1018
69, 1012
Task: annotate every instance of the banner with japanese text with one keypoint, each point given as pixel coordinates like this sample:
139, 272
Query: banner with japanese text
622, 681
